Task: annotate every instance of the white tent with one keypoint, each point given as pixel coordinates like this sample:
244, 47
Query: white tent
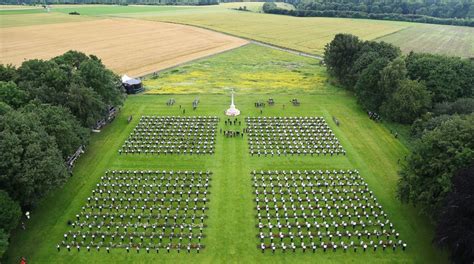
125, 78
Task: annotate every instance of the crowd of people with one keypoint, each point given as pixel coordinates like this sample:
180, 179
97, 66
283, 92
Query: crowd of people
291, 136
147, 210
296, 210
172, 135
320, 210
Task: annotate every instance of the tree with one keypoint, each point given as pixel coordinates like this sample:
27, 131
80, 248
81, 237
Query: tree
392, 76
4, 108
10, 212
447, 78
3, 242
407, 103
340, 55
85, 104
7, 73
12, 95
427, 123
367, 88
30, 163
383, 49
61, 125
103, 81
360, 64
44, 81
267, 6
72, 58
75, 81
426, 178
461, 106
455, 227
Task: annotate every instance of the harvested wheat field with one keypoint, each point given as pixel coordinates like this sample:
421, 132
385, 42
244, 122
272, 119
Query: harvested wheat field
126, 46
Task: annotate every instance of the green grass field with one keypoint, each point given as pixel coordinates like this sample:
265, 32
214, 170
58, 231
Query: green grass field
254, 69
303, 34
441, 39
231, 235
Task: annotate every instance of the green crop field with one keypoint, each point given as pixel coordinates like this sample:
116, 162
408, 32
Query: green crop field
303, 34
441, 39
312, 34
231, 232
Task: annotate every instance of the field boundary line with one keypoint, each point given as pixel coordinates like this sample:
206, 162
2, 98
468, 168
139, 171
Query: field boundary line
392, 33
254, 41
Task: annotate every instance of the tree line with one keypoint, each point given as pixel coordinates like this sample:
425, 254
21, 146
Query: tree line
460, 13
112, 2
433, 94
47, 109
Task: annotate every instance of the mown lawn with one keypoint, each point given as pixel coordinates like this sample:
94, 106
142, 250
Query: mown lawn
231, 235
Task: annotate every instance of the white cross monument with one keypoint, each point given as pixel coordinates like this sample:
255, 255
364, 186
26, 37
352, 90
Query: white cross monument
232, 111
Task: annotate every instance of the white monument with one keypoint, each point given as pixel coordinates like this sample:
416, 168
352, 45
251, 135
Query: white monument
232, 111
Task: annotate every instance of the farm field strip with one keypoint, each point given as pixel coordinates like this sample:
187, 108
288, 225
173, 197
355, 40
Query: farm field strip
39, 18
308, 35
442, 39
283, 30
117, 42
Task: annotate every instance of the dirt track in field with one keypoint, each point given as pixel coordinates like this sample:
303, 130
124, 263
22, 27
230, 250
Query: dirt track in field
126, 46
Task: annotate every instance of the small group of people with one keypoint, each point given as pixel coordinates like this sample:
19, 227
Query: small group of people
374, 116
171, 102
232, 133
234, 122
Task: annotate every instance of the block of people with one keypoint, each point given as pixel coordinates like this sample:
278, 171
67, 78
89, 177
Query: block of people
164, 135
316, 210
143, 210
282, 136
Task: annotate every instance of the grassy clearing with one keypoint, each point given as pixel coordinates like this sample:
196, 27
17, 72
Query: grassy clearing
231, 235
440, 39
250, 69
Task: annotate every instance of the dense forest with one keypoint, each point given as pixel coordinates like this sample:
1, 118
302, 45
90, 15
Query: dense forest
433, 8
434, 94
459, 12
46, 111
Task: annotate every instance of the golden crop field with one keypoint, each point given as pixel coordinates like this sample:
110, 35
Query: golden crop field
134, 47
